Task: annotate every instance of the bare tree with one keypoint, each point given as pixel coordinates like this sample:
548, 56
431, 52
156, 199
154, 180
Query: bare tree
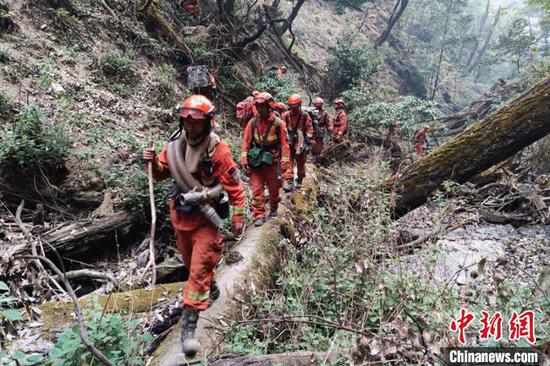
397, 11
444, 40
482, 23
486, 42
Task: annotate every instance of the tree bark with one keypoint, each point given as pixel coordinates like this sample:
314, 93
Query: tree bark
501, 134
396, 14
90, 235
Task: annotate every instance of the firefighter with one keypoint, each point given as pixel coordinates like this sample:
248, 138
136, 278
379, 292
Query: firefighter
245, 111
208, 160
265, 152
300, 132
320, 126
339, 124
280, 108
420, 137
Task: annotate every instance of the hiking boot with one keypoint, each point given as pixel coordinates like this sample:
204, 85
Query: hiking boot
190, 344
272, 213
214, 293
289, 185
299, 182
259, 221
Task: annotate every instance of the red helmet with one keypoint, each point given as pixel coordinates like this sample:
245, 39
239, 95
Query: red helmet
339, 103
197, 107
281, 106
294, 99
318, 102
264, 97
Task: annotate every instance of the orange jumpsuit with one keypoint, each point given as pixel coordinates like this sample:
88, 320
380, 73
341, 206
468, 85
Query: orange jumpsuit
294, 122
197, 239
319, 131
276, 142
420, 137
339, 125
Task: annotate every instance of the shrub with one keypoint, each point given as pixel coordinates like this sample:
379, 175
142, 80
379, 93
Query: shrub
33, 143
164, 88
117, 66
408, 112
5, 104
351, 62
280, 88
119, 340
5, 53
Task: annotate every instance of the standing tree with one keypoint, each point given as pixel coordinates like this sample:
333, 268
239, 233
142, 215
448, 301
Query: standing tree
516, 43
398, 10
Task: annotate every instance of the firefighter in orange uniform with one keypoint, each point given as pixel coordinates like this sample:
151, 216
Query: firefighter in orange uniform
339, 123
300, 132
320, 125
280, 108
264, 153
208, 160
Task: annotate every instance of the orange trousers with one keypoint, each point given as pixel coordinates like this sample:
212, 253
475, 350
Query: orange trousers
259, 177
300, 160
200, 250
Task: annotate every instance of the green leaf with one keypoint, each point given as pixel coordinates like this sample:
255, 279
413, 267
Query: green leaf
12, 315
3, 286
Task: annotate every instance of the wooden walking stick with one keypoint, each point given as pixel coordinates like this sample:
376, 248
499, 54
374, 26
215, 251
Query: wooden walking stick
152, 256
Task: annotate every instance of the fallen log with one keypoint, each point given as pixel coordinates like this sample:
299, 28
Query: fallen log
84, 236
58, 314
501, 134
298, 358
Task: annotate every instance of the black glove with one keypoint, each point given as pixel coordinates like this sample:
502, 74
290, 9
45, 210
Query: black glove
308, 141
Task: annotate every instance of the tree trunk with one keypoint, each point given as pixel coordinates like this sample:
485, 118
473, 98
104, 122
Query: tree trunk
486, 42
479, 34
501, 134
90, 235
442, 49
396, 14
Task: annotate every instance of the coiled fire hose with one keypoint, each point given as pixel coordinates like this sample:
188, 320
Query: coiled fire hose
198, 194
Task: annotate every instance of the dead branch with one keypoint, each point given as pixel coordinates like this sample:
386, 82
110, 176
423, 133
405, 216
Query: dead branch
108, 8
87, 273
152, 256
78, 311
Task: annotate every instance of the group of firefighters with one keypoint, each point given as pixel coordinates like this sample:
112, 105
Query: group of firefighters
274, 140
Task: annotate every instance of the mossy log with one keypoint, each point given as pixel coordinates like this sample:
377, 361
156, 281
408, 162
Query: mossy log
84, 236
499, 135
57, 314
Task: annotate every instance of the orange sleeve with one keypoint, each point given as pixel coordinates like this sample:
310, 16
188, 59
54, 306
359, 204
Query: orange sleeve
308, 126
226, 171
283, 141
160, 166
247, 140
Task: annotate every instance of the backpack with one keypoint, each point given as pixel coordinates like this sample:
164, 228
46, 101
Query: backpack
198, 77
245, 110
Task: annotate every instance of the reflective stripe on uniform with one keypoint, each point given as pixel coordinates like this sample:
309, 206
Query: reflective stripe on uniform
284, 160
198, 296
238, 210
256, 202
